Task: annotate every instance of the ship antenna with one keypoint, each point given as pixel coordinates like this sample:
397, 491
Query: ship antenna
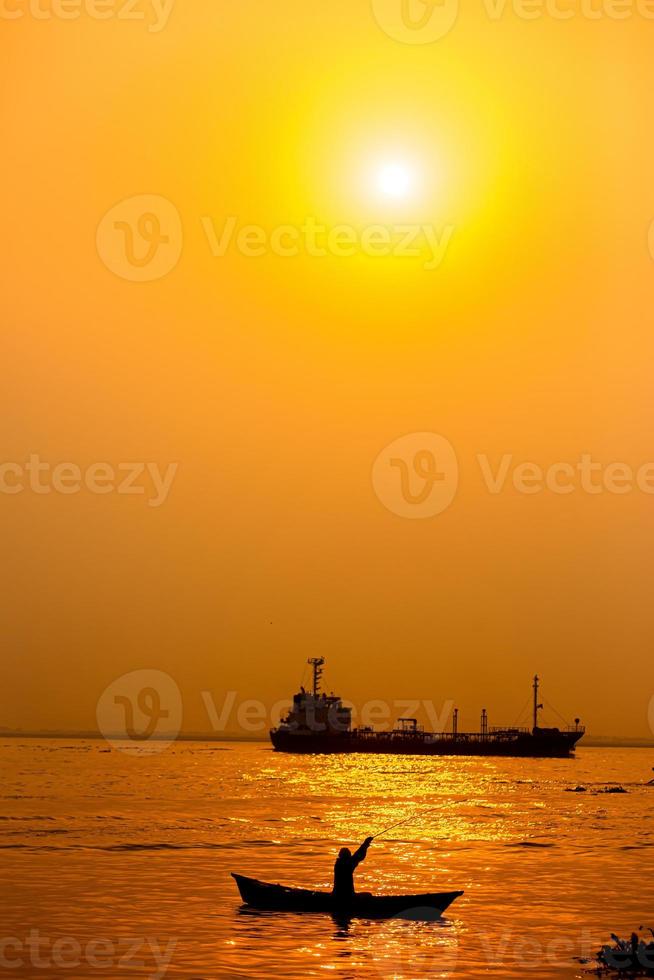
537, 706
316, 663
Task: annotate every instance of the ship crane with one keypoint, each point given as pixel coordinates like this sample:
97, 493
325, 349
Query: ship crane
537, 706
317, 664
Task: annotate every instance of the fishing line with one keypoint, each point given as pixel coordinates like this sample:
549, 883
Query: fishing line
400, 823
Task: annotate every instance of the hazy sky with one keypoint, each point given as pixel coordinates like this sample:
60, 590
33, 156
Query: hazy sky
274, 375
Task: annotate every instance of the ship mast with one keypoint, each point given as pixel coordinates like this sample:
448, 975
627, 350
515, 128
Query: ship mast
537, 706
316, 663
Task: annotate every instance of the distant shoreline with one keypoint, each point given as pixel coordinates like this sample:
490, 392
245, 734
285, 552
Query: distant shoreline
588, 742
118, 737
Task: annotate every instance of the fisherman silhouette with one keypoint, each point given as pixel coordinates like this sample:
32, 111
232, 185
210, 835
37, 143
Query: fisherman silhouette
344, 868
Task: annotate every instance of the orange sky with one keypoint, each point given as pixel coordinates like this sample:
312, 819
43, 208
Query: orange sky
274, 381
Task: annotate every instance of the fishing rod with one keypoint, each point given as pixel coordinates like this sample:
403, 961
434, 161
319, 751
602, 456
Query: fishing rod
400, 823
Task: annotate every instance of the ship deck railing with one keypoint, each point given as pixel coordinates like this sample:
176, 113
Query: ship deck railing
495, 734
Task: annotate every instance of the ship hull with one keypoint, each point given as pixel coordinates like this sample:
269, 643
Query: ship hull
546, 745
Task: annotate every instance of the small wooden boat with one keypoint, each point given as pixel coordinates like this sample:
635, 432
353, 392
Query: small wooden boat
280, 898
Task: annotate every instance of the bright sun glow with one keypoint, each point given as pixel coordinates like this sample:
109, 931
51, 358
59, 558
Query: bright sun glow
395, 180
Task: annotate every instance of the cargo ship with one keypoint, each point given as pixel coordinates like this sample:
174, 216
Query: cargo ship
318, 723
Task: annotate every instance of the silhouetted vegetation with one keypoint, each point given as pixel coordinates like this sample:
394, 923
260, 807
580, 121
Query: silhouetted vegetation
632, 957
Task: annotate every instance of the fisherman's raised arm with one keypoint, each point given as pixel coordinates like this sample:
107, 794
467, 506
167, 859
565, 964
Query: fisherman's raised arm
360, 854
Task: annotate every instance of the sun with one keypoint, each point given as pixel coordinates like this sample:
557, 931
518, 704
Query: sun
395, 180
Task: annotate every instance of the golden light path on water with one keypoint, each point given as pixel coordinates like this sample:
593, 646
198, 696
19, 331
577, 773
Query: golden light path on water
100, 844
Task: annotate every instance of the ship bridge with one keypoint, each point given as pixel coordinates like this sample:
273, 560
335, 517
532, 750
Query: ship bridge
313, 711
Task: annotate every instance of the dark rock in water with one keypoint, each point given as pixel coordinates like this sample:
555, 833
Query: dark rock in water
577, 789
614, 789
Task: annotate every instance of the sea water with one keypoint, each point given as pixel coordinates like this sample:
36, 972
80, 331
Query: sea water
116, 864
